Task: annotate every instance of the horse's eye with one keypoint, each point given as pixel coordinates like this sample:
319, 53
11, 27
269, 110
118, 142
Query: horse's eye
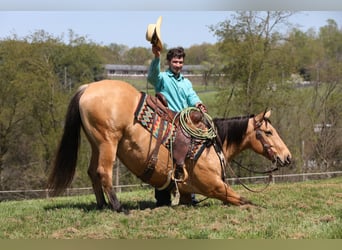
268, 133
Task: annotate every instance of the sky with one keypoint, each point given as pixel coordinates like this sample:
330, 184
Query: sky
106, 22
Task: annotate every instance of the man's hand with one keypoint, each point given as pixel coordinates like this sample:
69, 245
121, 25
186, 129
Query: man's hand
202, 107
156, 51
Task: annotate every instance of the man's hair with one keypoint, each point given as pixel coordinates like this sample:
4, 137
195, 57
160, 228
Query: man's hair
175, 52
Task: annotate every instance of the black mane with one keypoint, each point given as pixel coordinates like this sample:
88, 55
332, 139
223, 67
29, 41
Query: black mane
232, 129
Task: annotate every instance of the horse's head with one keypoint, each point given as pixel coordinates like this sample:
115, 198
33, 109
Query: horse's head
265, 140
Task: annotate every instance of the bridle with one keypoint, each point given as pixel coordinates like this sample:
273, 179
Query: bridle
266, 147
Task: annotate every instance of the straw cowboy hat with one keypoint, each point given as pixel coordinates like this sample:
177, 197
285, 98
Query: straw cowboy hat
153, 33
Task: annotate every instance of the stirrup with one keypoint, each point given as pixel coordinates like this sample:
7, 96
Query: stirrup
179, 173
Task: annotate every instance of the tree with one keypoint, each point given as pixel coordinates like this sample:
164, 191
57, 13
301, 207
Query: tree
246, 43
254, 69
113, 53
205, 55
13, 97
137, 56
326, 109
37, 76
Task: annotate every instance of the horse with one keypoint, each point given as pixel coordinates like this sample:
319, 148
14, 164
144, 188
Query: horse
105, 110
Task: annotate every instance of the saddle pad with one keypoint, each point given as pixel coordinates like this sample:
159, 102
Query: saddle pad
144, 115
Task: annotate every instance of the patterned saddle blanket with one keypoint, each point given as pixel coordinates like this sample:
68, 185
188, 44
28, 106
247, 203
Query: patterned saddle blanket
150, 112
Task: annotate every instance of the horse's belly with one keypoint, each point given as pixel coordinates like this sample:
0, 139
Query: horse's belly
134, 151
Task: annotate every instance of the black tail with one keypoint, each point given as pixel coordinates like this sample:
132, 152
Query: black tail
66, 158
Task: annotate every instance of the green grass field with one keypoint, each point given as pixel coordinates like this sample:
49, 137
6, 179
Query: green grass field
308, 210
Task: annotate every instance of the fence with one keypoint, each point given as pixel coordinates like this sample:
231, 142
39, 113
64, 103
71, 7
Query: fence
43, 193
286, 177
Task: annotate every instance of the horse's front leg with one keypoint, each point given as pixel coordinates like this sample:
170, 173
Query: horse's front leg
226, 194
208, 182
222, 192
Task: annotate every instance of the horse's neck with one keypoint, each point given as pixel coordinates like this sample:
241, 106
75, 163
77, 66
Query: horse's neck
233, 149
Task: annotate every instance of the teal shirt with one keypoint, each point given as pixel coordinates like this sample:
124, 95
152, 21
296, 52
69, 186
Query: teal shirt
177, 91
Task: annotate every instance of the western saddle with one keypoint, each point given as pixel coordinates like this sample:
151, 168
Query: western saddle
181, 143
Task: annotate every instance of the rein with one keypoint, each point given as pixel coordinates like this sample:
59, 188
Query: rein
254, 171
270, 177
265, 145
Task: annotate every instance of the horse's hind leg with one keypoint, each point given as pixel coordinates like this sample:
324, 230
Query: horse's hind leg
107, 154
95, 179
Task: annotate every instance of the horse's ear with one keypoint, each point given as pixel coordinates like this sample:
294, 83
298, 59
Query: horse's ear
260, 117
267, 114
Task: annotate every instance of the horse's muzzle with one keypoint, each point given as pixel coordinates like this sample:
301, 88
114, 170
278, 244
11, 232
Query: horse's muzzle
283, 163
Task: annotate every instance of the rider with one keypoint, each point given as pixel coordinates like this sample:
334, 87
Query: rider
173, 85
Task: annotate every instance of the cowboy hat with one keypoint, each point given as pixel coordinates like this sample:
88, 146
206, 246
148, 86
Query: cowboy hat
153, 33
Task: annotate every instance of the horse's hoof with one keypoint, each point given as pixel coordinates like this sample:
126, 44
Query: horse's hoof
101, 206
120, 209
244, 201
123, 210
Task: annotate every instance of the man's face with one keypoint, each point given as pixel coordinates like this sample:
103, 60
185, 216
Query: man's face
176, 65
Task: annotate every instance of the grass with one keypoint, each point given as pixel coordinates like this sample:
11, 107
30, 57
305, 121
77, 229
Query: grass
308, 210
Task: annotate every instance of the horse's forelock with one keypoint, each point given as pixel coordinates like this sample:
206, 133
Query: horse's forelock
232, 129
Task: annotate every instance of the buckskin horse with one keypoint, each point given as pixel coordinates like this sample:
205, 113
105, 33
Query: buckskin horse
107, 110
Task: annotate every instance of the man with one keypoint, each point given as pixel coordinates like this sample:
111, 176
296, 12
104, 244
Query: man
178, 92
176, 89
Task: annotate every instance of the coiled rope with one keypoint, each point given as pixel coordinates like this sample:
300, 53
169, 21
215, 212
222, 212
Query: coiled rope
192, 130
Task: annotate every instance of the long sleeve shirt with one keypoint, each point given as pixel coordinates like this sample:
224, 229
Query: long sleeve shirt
178, 91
